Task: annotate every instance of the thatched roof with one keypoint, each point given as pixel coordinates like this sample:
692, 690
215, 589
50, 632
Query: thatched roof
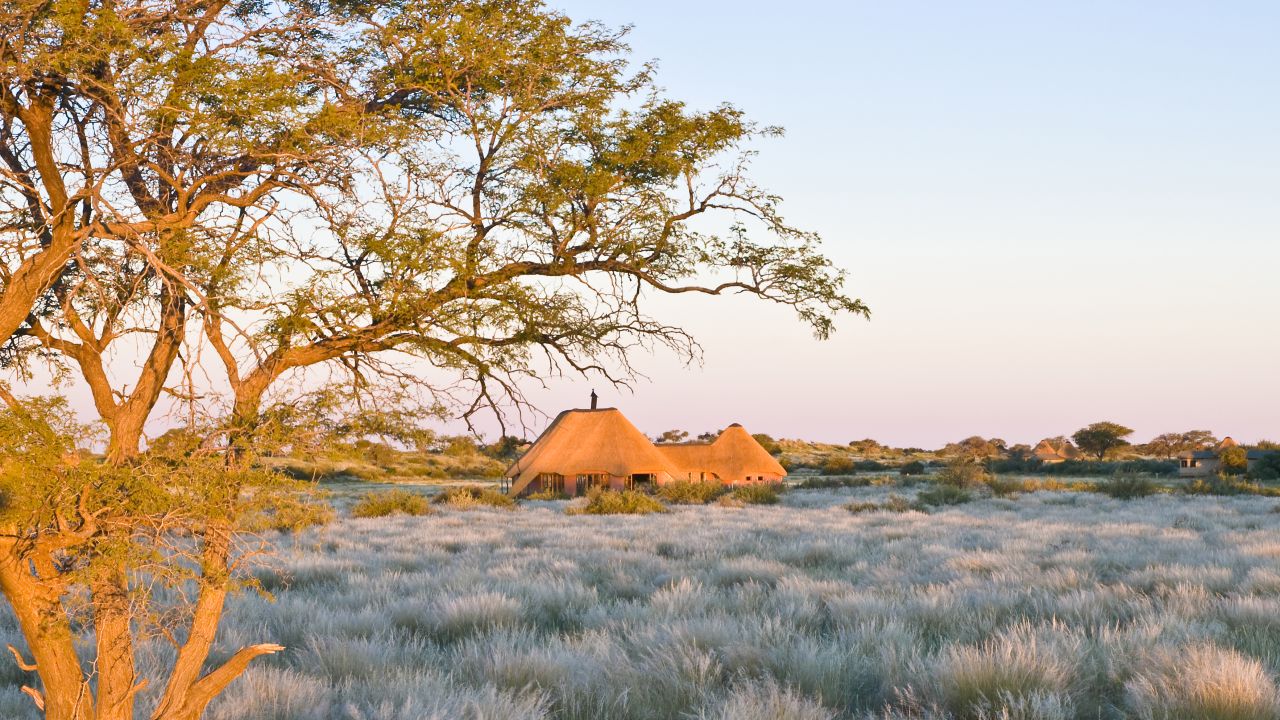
1046, 450
732, 456
589, 441
1227, 442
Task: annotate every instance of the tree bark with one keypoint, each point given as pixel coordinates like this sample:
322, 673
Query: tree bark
44, 624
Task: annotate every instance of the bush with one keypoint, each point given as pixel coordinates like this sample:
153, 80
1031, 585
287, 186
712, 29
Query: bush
612, 502
756, 494
1127, 487
962, 474
685, 492
1222, 485
1267, 468
838, 465
390, 502
1004, 487
943, 495
915, 467
1158, 468
464, 497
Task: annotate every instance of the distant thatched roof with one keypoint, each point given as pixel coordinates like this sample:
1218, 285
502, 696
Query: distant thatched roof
589, 441
1046, 450
732, 456
1227, 442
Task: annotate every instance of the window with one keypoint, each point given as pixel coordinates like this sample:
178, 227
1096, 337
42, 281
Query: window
643, 481
551, 482
587, 481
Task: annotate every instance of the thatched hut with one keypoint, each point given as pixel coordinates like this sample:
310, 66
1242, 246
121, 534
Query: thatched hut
582, 449
1050, 453
732, 458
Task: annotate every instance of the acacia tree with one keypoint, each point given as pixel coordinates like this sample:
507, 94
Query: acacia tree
480, 186
1102, 437
538, 194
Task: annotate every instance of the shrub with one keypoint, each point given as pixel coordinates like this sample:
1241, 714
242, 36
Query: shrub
979, 682
756, 494
390, 502
613, 502
1267, 467
861, 507
1221, 485
838, 465
943, 495
1125, 486
464, 497
1203, 682
915, 467
1004, 487
685, 492
962, 474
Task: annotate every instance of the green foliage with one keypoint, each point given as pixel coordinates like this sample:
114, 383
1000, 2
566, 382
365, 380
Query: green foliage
1233, 461
1101, 438
1127, 486
832, 483
962, 473
756, 494
1004, 486
684, 492
915, 467
463, 497
613, 502
943, 495
767, 442
1267, 468
391, 502
1226, 485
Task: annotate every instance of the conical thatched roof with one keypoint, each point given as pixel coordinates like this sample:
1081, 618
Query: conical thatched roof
1227, 442
588, 441
732, 456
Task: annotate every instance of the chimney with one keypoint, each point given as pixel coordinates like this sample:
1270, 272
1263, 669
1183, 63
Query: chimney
594, 399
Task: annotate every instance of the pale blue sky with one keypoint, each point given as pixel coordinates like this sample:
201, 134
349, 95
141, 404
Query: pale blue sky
1059, 212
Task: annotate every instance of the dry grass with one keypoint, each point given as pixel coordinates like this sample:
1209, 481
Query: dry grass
1053, 606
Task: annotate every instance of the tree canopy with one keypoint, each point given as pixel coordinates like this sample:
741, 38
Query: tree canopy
280, 215
1101, 438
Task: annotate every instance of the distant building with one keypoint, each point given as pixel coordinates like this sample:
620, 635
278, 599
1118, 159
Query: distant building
584, 449
1050, 454
1201, 463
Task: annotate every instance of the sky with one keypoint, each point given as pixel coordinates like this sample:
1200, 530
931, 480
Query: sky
1059, 212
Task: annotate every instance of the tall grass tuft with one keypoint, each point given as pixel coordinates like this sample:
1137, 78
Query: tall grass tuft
467, 497
1202, 682
1127, 486
756, 494
390, 502
685, 492
613, 502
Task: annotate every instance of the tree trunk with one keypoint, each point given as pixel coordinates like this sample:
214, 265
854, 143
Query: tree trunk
44, 624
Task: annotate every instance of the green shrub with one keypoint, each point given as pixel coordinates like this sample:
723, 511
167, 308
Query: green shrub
613, 502
390, 502
464, 497
1222, 485
756, 494
1125, 486
962, 474
1267, 468
286, 517
1004, 487
838, 465
861, 507
685, 492
915, 467
943, 495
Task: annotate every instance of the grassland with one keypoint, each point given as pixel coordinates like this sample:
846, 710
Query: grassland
1048, 605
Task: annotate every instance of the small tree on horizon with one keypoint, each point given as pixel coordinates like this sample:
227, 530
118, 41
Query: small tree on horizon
1101, 438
